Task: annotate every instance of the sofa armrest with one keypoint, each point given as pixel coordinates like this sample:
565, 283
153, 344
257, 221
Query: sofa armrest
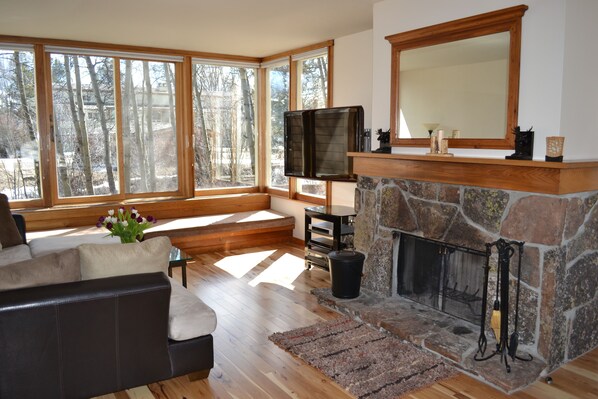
85, 338
20, 221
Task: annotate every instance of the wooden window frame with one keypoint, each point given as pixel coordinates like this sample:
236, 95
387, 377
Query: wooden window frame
184, 122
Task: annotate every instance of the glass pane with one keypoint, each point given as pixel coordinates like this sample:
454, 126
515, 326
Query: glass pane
312, 187
148, 91
313, 94
19, 138
84, 125
278, 103
224, 126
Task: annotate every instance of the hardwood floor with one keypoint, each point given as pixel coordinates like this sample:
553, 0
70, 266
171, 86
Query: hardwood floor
262, 290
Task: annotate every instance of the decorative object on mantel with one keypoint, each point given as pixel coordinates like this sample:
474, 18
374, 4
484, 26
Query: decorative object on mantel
505, 346
439, 145
127, 225
524, 144
456, 134
384, 139
554, 148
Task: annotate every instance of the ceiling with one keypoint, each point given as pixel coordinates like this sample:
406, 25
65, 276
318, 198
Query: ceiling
254, 28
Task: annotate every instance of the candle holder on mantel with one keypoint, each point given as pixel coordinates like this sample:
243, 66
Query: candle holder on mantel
439, 145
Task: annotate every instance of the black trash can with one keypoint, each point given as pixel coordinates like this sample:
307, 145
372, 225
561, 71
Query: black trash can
346, 267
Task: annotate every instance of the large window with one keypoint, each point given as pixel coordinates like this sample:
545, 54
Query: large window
93, 156
97, 123
19, 138
224, 128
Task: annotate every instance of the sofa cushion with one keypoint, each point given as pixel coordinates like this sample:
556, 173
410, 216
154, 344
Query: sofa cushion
9, 233
14, 254
188, 317
46, 245
106, 260
56, 268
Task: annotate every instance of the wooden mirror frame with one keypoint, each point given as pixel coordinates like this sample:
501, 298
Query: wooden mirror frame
505, 20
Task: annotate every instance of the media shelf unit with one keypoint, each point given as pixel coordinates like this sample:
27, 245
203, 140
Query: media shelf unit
327, 229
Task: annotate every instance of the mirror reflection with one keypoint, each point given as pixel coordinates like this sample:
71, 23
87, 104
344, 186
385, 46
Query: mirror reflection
460, 87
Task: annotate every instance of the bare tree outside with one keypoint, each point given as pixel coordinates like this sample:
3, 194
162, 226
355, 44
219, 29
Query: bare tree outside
19, 139
84, 125
224, 126
149, 126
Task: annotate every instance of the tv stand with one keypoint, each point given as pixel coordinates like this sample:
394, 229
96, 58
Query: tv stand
327, 229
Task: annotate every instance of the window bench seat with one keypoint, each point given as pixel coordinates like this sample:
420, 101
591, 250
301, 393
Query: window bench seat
202, 234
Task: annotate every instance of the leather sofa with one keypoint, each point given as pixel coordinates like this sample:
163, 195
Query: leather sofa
92, 337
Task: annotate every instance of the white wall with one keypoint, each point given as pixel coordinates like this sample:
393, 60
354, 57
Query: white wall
579, 118
352, 85
542, 58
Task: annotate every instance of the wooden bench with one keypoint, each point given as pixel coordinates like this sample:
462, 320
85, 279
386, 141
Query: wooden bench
202, 234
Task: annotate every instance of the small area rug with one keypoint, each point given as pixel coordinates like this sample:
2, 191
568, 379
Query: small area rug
367, 363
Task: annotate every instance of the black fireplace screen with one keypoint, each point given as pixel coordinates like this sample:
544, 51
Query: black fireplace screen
443, 276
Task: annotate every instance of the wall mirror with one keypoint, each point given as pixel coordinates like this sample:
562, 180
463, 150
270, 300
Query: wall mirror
460, 76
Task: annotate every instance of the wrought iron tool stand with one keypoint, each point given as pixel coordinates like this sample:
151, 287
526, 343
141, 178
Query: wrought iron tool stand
505, 347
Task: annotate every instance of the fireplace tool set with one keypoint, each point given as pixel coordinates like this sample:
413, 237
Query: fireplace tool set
499, 322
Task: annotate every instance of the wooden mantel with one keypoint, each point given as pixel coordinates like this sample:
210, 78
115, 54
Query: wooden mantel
530, 176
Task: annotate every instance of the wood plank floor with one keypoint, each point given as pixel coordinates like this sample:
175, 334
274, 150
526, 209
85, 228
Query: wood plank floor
258, 291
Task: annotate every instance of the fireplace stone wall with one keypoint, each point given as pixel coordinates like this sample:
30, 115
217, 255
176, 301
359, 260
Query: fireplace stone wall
559, 301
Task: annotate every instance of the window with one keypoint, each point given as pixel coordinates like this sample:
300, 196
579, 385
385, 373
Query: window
19, 138
277, 104
94, 156
224, 138
305, 75
148, 93
84, 125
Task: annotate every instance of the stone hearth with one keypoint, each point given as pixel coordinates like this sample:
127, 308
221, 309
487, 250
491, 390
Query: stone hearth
452, 338
559, 304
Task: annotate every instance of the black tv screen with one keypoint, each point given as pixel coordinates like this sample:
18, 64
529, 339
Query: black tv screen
316, 142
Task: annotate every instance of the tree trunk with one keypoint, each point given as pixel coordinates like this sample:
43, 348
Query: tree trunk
26, 115
150, 128
61, 164
323, 68
73, 107
143, 187
169, 83
202, 148
126, 124
248, 117
85, 157
100, 104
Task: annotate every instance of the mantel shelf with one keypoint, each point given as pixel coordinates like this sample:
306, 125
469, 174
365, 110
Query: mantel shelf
530, 176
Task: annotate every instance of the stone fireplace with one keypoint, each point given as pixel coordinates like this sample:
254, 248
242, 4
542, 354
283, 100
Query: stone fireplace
468, 202
558, 304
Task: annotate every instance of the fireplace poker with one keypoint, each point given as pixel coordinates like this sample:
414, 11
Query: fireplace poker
482, 340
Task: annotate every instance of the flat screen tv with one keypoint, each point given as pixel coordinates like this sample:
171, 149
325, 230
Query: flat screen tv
316, 142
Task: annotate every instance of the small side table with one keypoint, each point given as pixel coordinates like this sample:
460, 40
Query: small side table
179, 258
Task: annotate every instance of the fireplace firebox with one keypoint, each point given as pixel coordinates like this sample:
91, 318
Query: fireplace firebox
445, 277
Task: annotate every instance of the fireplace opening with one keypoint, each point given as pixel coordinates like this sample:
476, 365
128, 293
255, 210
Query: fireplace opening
443, 276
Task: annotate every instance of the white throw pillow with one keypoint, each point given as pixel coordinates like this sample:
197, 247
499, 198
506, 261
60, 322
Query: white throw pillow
106, 260
188, 317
